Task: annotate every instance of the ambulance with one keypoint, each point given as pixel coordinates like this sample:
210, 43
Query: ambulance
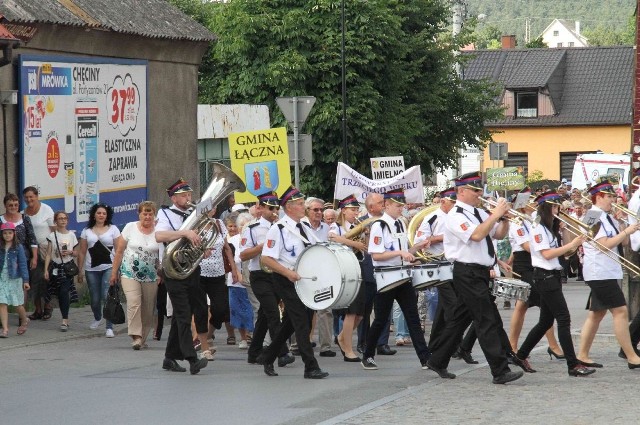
589, 167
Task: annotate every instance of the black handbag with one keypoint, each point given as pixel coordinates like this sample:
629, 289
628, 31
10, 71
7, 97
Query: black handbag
70, 269
113, 310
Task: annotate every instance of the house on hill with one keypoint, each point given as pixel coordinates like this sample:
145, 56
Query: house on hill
558, 103
107, 101
563, 33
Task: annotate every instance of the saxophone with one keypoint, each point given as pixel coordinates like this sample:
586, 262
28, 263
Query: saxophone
181, 257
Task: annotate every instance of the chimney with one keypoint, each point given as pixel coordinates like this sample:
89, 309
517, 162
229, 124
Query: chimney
578, 27
508, 41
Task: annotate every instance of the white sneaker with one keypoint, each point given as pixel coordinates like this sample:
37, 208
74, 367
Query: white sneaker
243, 345
95, 324
109, 333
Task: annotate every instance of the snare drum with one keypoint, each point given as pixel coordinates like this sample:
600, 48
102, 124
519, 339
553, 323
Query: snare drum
445, 272
388, 277
330, 276
511, 288
425, 275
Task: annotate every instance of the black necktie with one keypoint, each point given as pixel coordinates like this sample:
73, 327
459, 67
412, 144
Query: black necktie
620, 249
492, 251
399, 227
303, 234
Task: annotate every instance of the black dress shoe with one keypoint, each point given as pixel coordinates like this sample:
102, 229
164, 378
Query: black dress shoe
352, 359
268, 370
523, 364
286, 359
633, 366
195, 366
507, 377
172, 365
295, 351
466, 356
328, 353
443, 373
385, 350
580, 370
315, 374
592, 364
621, 354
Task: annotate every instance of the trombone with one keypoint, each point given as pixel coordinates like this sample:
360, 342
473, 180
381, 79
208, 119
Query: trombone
577, 227
519, 217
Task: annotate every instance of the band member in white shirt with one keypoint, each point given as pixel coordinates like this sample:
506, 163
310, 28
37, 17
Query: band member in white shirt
388, 246
602, 273
468, 243
285, 241
545, 250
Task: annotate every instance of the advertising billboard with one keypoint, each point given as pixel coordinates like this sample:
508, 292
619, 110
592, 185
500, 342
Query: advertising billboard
83, 134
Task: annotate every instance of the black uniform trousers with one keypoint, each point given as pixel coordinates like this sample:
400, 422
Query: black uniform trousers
408, 302
444, 312
268, 313
552, 306
474, 303
187, 299
297, 318
370, 291
634, 330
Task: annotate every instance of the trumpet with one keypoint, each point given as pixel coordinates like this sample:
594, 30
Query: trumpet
518, 216
577, 227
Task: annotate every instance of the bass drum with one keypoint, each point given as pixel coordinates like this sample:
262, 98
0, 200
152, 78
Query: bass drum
330, 276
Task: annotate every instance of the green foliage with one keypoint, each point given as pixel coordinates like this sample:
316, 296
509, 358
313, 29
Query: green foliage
603, 35
509, 15
537, 43
403, 95
534, 176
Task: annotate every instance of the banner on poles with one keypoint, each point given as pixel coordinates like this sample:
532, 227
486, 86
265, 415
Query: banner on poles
349, 181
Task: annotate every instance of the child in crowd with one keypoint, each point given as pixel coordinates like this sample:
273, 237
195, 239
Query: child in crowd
14, 277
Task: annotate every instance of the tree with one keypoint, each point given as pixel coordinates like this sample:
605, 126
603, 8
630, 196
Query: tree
487, 37
537, 43
403, 96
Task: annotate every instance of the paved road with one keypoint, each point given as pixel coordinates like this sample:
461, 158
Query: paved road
83, 378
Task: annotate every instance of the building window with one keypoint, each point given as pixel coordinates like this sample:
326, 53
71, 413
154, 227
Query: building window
209, 151
556, 33
572, 44
559, 45
527, 105
518, 159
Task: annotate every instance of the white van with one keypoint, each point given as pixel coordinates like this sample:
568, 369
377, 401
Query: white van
590, 166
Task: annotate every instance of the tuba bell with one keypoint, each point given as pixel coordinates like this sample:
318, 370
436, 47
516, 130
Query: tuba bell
181, 257
414, 225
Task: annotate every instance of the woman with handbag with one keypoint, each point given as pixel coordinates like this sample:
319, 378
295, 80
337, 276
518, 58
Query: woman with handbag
96, 257
59, 266
135, 264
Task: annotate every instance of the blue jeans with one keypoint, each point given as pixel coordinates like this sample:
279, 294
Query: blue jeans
402, 331
98, 283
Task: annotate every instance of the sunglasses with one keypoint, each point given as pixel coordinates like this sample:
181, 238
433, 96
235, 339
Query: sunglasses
315, 209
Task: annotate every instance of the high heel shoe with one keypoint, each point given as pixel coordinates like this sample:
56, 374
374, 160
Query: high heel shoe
550, 352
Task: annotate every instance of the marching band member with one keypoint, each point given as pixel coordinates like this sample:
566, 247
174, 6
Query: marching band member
374, 203
285, 241
251, 244
388, 246
634, 205
519, 236
349, 209
185, 294
545, 250
602, 273
467, 242
320, 230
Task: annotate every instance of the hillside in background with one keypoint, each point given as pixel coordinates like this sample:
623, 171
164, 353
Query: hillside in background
510, 15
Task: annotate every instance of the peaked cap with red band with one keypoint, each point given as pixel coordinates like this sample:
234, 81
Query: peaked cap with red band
349, 202
551, 196
291, 194
472, 180
396, 195
269, 198
602, 187
180, 186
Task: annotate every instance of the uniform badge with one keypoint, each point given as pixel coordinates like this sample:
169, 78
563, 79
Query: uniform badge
538, 238
420, 233
520, 232
271, 243
377, 240
464, 226
243, 241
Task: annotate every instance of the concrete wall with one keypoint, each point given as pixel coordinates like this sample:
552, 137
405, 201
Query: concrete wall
544, 145
172, 96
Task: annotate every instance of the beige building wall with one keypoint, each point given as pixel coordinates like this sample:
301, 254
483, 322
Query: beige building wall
544, 145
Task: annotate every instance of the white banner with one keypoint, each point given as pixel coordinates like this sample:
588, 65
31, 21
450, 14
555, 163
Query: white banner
349, 181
